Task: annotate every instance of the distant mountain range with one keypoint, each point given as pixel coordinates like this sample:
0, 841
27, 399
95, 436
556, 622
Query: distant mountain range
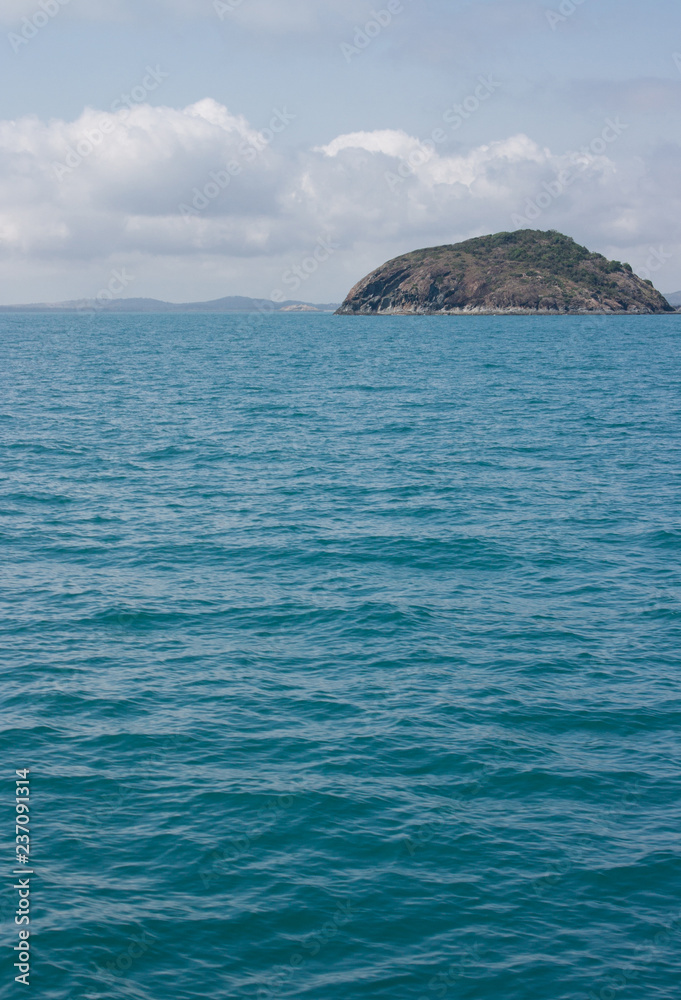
674, 299
233, 303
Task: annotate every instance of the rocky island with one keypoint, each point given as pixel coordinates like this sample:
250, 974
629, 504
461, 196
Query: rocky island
525, 272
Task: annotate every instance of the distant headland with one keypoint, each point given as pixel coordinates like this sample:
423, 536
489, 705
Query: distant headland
525, 272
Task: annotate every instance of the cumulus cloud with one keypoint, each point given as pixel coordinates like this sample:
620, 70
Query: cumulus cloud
202, 182
129, 180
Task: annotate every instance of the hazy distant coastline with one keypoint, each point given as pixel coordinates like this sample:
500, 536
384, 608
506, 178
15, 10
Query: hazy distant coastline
232, 303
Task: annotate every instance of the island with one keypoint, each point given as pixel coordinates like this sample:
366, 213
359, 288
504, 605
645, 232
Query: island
523, 272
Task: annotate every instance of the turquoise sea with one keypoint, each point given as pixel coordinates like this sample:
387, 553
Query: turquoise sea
344, 655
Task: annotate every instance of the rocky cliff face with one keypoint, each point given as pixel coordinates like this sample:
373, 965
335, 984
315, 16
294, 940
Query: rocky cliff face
523, 272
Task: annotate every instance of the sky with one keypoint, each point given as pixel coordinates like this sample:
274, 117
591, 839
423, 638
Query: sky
192, 149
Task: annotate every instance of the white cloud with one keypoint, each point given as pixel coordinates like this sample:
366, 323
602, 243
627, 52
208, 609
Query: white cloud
200, 184
391, 142
430, 168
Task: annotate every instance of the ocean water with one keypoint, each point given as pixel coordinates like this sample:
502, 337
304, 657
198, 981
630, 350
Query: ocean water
344, 656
